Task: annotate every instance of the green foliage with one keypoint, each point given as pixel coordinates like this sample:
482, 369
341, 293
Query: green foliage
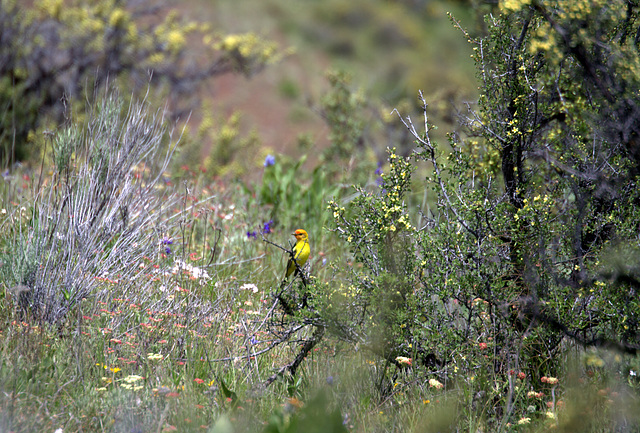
380, 298
343, 113
295, 195
314, 417
229, 148
531, 203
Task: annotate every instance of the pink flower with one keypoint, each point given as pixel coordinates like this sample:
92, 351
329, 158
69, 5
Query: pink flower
433, 383
404, 361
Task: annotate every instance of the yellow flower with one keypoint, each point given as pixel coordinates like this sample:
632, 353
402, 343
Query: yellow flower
175, 40
117, 18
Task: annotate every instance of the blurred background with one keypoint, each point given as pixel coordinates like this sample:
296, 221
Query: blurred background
390, 49
239, 106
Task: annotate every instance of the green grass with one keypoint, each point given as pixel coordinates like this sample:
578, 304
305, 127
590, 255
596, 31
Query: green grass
184, 359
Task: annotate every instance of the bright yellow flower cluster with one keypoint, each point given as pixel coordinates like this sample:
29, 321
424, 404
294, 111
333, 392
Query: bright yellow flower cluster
513, 5
248, 45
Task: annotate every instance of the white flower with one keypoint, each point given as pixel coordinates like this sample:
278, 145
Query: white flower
133, 378
403, 360
251, 287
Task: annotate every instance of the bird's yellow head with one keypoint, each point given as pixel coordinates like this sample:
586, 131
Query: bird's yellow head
300, 235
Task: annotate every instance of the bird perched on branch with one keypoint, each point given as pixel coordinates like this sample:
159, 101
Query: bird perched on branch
299, 255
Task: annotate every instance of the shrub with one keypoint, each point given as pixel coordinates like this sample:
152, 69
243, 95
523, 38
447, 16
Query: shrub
52, 53
99, 215
535, 210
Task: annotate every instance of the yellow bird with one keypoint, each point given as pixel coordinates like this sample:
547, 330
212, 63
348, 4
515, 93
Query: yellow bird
301, 252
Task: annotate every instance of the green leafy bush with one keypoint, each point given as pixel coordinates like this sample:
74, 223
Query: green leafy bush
532, 207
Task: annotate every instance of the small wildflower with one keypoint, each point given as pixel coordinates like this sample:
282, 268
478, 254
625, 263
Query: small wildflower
250, 286
133, 378
252, 234
267, 227
482, 346
402, 360
378, 171
523, 421
433, 383
269, 161
166, 242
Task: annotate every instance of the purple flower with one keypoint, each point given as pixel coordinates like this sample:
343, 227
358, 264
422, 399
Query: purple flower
267, 227
254, 340
252, 234
166, 242
269, 161
378, 171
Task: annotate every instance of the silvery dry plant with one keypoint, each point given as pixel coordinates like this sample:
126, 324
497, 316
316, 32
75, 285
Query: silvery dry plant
100, 212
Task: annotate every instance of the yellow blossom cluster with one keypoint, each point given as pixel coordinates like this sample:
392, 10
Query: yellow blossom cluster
248, 45
513, 5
